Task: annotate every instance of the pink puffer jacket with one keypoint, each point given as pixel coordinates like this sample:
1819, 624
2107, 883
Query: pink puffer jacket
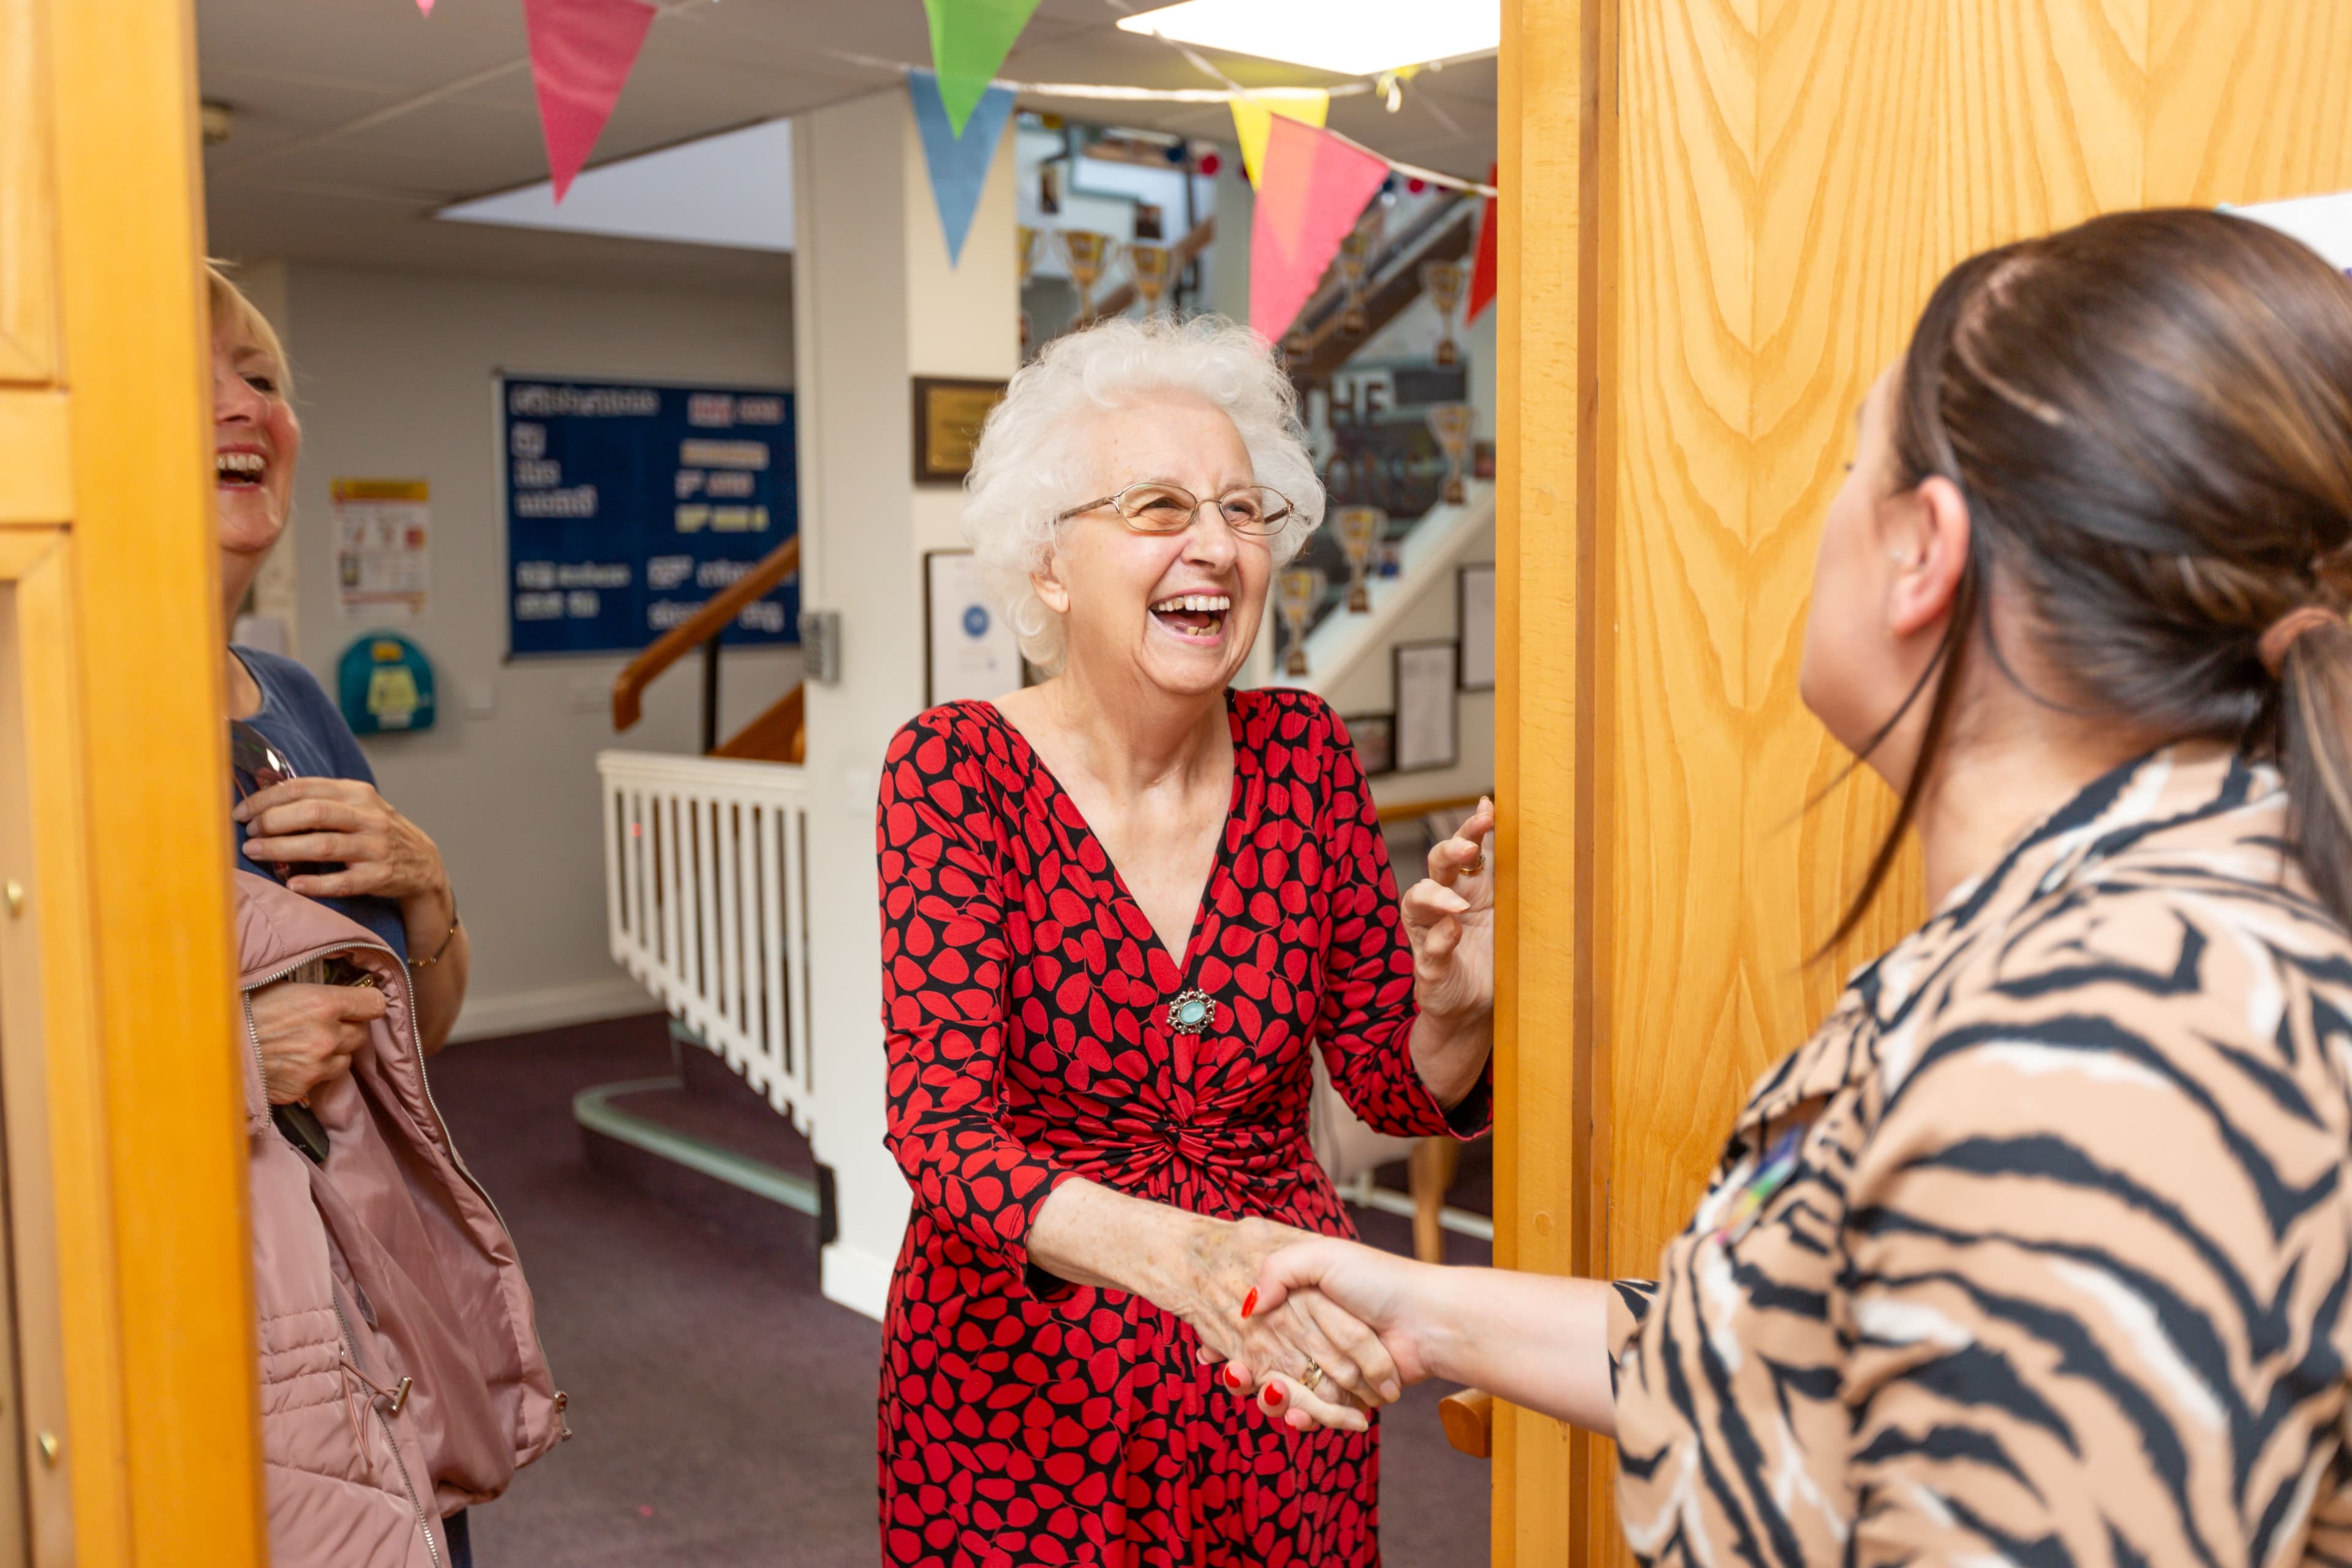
402, 1376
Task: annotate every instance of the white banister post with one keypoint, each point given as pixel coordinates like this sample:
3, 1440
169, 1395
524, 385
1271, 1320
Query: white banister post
874, 303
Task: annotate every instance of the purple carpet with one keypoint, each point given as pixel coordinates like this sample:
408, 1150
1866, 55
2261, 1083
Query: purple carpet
722, 1409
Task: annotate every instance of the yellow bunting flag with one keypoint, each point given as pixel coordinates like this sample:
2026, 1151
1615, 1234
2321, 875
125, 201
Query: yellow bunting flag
1253, 116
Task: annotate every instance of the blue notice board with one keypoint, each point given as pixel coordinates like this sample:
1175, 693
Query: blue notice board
628, 504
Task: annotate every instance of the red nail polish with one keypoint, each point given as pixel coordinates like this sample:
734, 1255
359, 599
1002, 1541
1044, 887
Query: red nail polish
1249, 1302
1274, 1394
1233, 1378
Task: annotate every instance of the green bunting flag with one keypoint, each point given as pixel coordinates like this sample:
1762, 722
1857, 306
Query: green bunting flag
969, 38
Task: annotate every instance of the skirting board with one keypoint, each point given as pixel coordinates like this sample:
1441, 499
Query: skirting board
520, 1011
858, 1280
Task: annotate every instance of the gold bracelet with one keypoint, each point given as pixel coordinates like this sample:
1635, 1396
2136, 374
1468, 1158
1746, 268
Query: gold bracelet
437, 952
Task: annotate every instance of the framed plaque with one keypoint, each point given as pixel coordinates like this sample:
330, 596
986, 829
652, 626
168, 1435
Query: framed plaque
948, 416
1426, 735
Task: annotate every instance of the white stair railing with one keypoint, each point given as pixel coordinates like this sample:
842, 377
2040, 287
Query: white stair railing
706, 901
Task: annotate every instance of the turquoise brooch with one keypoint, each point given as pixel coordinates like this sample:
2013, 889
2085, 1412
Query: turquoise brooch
1191, 1012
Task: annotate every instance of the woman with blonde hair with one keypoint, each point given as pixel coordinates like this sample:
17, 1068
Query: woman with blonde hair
2041, 1249
1121, 910
402, 1376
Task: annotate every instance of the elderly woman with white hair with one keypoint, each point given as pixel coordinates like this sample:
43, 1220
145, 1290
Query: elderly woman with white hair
1121, 909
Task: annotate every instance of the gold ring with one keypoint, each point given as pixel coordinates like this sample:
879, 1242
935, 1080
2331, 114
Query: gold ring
1477, 864
1313, 1379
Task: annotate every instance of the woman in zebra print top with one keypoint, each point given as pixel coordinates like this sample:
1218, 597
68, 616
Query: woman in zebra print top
2041, 1249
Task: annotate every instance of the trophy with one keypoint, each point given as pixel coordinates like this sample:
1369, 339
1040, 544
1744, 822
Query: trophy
1149, 268
1087, 253
1296, 592
1443, 281
1359, 527
1026, 245
1450, 423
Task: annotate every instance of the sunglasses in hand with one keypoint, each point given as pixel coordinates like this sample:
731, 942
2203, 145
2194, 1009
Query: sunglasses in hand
253, 766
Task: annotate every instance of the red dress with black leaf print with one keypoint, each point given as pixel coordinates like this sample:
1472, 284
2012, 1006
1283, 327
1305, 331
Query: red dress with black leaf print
1026, 998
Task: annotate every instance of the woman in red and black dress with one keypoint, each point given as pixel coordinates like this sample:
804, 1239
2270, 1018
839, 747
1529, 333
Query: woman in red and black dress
1121, 909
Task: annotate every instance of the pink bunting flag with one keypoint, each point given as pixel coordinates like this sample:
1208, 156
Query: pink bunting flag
1311, 188
580, 53
1487, 267
425, 6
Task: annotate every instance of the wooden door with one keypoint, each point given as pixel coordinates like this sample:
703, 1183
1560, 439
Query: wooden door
121, 1101
1718, 223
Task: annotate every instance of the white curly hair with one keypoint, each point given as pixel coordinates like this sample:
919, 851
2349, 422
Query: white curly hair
1030, 465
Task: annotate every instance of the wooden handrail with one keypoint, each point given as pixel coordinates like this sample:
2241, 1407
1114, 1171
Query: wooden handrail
714, 617
1116, 303
1329, 348
779, 735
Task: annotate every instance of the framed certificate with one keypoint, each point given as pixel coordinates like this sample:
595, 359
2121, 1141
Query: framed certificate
1475, 594
1426, 735
970, 648
948, 416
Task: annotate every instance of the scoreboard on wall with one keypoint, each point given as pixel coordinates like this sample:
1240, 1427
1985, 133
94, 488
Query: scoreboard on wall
628, 504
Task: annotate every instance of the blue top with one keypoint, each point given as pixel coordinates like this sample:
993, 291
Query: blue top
300, 721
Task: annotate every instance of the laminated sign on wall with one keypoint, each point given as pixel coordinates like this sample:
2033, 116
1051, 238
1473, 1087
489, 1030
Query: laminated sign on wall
384, 552
628, 504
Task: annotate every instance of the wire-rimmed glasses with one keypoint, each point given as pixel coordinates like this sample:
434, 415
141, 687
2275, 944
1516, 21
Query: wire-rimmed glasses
1152, 507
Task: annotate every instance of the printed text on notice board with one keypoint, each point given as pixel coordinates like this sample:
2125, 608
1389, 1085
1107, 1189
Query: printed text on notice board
629, 504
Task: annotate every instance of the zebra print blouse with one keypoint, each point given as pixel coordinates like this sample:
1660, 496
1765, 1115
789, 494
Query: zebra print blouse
2040, 1251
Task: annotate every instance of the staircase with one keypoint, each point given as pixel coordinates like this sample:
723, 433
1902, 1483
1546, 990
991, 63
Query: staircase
706, 901
1382, 450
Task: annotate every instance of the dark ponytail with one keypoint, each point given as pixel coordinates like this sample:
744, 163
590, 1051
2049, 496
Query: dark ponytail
2315, 755
2150, 417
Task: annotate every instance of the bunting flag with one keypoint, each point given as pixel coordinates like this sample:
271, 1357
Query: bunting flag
1252, 116
969, 38
580, 53
1310, 192
958, 161
1483, 270
425, 6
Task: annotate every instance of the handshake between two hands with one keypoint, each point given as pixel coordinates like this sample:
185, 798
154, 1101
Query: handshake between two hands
1317, 1329
1321, 1331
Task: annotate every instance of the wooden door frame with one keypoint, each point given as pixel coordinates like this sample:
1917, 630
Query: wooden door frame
1551, 336
107, 532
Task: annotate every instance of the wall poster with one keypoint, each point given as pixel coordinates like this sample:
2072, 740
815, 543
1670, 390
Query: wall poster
628, 504
971, 651
384, 548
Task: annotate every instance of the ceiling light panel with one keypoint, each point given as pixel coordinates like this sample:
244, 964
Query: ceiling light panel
1350, 38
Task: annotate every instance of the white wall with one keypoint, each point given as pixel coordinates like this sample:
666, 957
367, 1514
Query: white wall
877, 303
393, 380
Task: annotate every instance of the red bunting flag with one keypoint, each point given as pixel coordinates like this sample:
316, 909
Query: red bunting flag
1311, 187
580, 53
1483, 271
